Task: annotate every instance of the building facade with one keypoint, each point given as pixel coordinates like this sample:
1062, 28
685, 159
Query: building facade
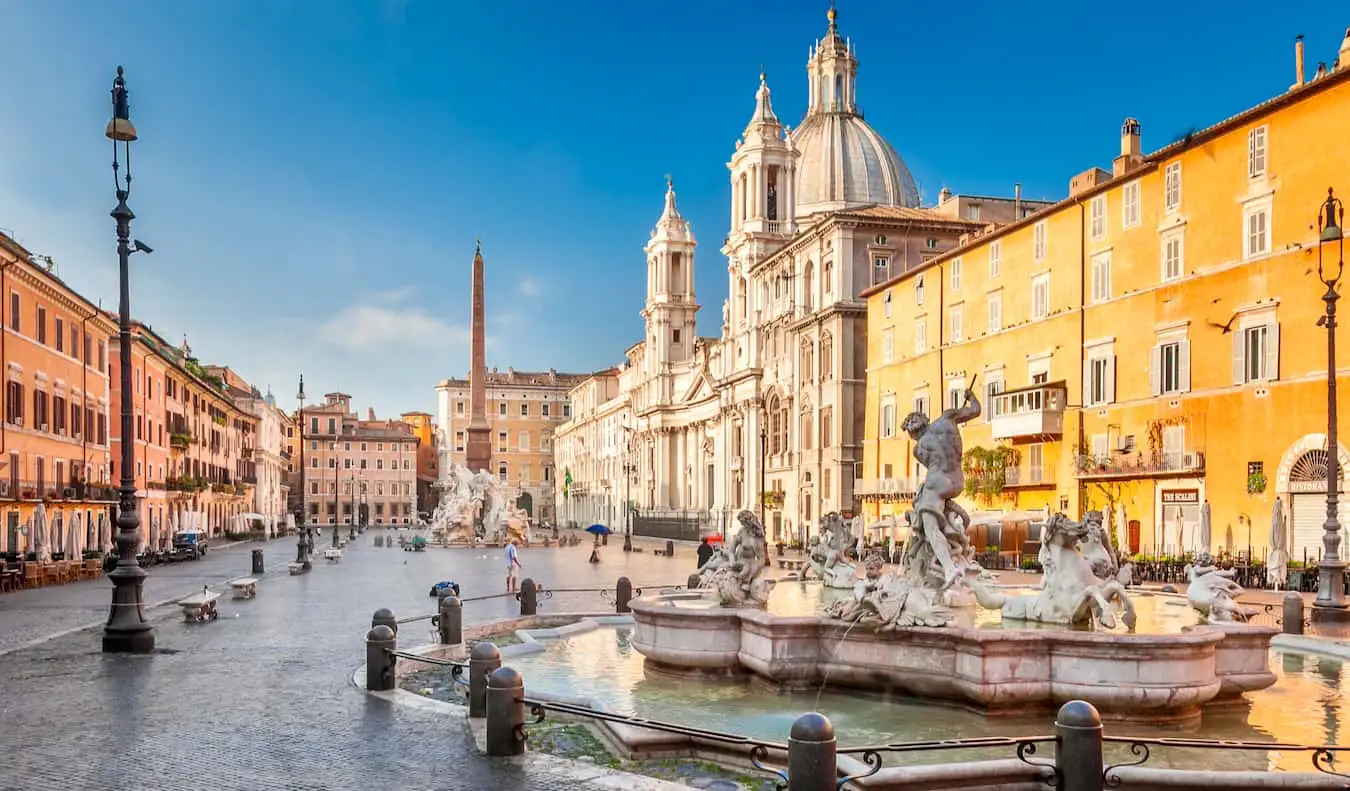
428, 464
356, 471
54, 439
270, 454
1151, 343
596, 456
523, 409
768, 415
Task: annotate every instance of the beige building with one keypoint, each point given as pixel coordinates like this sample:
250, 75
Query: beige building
270, 459
352, 467
523, 408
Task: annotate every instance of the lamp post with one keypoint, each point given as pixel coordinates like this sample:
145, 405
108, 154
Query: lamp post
1331, 571
127, 630
337, 504
628, 469
763, 456
302, 543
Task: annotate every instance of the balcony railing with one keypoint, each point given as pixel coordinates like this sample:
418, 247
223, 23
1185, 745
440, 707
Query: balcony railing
1139, 465
1030, 476
34, 491
885, 489
1028, 411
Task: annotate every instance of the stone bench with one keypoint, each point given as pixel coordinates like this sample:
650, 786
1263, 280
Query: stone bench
332, 555
199, 606
245, 587
295, 568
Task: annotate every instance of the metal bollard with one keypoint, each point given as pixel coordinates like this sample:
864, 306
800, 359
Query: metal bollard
451, 621
384, 616
380, 675
529, 597
670, 549
484, 660
623, 593
257, 561
1292, 616
505, 713
812, 759
379, 541
1078, 754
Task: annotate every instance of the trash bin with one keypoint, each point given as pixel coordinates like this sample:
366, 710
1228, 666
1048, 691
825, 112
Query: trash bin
257, 561
670, 549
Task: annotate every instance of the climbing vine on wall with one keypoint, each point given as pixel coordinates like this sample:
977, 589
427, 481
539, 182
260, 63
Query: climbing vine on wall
1155, 433
985, 470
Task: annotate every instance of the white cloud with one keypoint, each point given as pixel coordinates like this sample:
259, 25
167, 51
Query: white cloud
395, 296
529, 287
362, 328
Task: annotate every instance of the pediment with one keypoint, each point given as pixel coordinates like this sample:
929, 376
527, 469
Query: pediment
699, 388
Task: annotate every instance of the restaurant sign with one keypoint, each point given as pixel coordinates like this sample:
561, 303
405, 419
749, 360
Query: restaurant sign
1181, 497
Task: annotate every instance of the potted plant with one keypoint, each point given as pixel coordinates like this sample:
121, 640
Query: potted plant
1256, 482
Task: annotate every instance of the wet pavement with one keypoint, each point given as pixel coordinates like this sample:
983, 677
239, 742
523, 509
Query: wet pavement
261, 699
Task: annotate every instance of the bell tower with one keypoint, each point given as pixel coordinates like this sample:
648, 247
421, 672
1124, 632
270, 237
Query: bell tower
670, 307
833, 72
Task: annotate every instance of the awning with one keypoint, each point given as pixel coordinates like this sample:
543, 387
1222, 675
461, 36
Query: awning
1005, 517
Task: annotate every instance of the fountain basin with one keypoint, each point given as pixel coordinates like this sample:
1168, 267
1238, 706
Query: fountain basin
1153, 678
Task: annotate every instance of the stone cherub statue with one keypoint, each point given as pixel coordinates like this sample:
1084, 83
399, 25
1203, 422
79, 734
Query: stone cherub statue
886, 600
739, 572
1212, 591
829, 553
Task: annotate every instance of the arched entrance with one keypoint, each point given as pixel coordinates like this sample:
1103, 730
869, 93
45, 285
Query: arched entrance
525, 502
1302, 481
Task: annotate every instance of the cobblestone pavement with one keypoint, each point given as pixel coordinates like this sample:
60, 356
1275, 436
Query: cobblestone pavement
261, 698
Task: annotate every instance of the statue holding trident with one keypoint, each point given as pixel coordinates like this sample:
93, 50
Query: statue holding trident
939, 559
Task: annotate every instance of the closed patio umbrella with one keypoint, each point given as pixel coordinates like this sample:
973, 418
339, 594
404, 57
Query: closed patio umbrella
42, 542
1278, 563
1123, 523
74, 534
1205, 536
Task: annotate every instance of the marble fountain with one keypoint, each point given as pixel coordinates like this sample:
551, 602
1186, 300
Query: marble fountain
939, 628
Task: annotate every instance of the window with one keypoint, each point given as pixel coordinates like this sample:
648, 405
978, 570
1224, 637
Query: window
995, 259
973, 211
806, 429
346, 464
920, 336
888, 417
1099, 375
921, 404
567, 410
956, 316
886, 305
826, 427
887, 347
501, 441
102, 356
1097, 217
459, 407
1257, 224
14, 312
1171, 366
524, 440
918, 291
881, 269
1256, 350
1101, 277
1038, 241
1173, 255
995, 311
1129, 205
501, 409
993, 385
931, 243
525, 405
1040, 296
956, 394
826, 356
332, 425
1172, 187
956, 274
41, 325
1256, 152
543, 409
60, 334
1035, 463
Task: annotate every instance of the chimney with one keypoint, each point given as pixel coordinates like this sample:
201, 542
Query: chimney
1017, 201
1298, 60
370, 413
1130, 153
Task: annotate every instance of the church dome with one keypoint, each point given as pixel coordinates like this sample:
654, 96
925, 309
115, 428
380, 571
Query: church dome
845, 163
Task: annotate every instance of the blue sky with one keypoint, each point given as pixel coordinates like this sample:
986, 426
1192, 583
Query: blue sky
313, 173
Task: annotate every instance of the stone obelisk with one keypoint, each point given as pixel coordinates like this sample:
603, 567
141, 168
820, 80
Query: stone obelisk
478, 448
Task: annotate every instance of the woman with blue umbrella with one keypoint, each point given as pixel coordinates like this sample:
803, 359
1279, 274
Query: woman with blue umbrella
597, 531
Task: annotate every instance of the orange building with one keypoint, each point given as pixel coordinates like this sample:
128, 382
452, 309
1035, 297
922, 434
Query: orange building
425, 431
54, 440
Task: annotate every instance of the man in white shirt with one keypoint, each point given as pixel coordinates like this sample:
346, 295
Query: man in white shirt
512, 566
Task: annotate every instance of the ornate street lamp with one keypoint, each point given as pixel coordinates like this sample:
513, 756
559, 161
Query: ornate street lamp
304, 545
1330, 240
127, 630
628, 469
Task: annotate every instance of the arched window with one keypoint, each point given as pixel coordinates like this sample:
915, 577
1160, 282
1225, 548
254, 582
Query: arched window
827, 278
826, 357
838, 91
809, 286
807, 373
783, 420
775, 417
806, 428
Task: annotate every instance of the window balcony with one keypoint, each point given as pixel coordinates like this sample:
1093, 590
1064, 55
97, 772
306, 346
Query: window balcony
885, 489
1167, 464
1034, 411
1027, 476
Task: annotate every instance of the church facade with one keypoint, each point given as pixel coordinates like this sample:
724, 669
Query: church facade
769, 414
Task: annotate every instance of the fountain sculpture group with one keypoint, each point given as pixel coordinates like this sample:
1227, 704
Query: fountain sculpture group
913, 641
475, 508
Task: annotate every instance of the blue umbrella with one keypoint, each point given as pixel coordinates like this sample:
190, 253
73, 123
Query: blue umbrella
599, 530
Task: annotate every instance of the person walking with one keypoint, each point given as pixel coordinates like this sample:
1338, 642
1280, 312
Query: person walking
705, 552
512, 566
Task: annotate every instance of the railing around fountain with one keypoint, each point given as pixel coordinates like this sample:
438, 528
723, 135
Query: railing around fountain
531, 592
811, 758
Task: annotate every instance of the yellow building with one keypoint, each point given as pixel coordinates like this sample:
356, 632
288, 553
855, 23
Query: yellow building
1151, 342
